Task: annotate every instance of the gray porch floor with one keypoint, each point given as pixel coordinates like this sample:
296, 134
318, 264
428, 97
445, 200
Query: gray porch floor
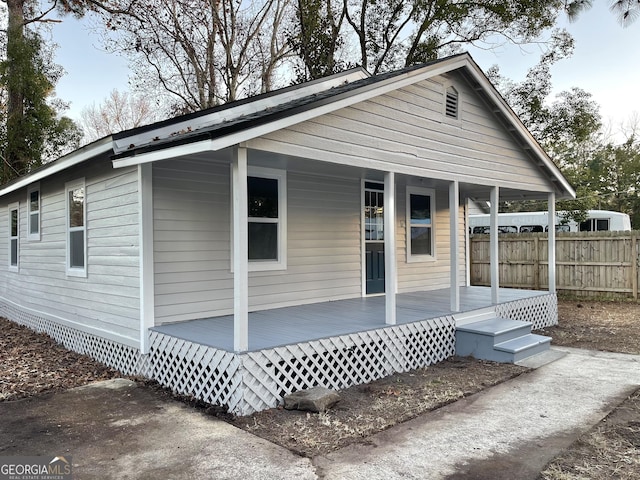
291, 325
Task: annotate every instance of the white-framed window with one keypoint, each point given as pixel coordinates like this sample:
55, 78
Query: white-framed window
14, 236
267, 217
33, 212
451, 102
76, 228
421, 208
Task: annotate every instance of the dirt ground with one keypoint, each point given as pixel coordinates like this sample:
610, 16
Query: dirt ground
606, 326
367, 409
612, 448
31, 364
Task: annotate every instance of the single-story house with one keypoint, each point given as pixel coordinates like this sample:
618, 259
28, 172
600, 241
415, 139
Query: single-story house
312, 235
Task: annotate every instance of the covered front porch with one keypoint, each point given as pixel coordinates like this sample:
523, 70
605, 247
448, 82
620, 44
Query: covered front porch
303, 323
334, 344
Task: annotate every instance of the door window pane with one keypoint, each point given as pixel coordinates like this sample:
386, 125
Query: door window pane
374, 215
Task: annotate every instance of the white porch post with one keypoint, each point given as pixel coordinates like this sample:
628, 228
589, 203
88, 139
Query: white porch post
552, 242
493, 245
454, 241
147, 297
390, 268
467, 244
240, 251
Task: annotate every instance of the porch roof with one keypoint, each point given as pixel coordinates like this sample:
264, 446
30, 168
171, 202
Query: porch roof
292, 325
239, 126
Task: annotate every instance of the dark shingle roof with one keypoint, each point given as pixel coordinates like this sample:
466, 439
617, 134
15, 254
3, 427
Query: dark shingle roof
261, 117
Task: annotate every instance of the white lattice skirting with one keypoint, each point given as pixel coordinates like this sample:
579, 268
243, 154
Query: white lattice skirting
123, 358
254, 381
541, 311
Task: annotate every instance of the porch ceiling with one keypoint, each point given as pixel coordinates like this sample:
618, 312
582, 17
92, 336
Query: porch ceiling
483, 193
313, 167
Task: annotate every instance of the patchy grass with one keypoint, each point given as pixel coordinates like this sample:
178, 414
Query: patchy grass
610, 450
599, 325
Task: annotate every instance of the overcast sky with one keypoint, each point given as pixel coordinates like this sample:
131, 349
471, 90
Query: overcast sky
605, 63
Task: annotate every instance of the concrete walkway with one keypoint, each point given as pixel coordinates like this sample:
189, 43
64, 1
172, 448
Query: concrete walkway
506, 432
116, 430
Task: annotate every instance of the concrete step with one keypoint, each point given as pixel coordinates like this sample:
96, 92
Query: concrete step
499, 329
499, 340
525, 346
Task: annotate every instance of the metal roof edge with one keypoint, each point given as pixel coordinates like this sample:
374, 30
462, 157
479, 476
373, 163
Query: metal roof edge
282, 119
99, 147
164, 129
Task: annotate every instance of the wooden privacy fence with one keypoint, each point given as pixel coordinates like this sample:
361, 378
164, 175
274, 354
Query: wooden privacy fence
587, 263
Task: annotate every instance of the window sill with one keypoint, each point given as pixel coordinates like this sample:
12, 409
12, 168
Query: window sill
264, 267
76, 272
421, 259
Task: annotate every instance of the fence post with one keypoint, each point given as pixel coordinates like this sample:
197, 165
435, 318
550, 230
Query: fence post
536, 263
634, 264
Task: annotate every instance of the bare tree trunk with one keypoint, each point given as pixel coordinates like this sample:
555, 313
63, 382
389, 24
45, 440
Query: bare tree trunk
15, 161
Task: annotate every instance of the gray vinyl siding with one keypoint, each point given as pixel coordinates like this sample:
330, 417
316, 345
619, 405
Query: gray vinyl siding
407, 128
192, 241
323, 245
107, 301
429, 274
191, 237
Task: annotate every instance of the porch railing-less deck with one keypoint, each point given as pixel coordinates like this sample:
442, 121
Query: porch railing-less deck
334, 344
289, 325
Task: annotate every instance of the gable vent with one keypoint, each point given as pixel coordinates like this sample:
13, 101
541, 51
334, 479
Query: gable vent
451, 105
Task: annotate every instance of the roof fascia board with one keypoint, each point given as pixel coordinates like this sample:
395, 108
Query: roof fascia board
347, 99
522, 130
166, 153
74, 158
